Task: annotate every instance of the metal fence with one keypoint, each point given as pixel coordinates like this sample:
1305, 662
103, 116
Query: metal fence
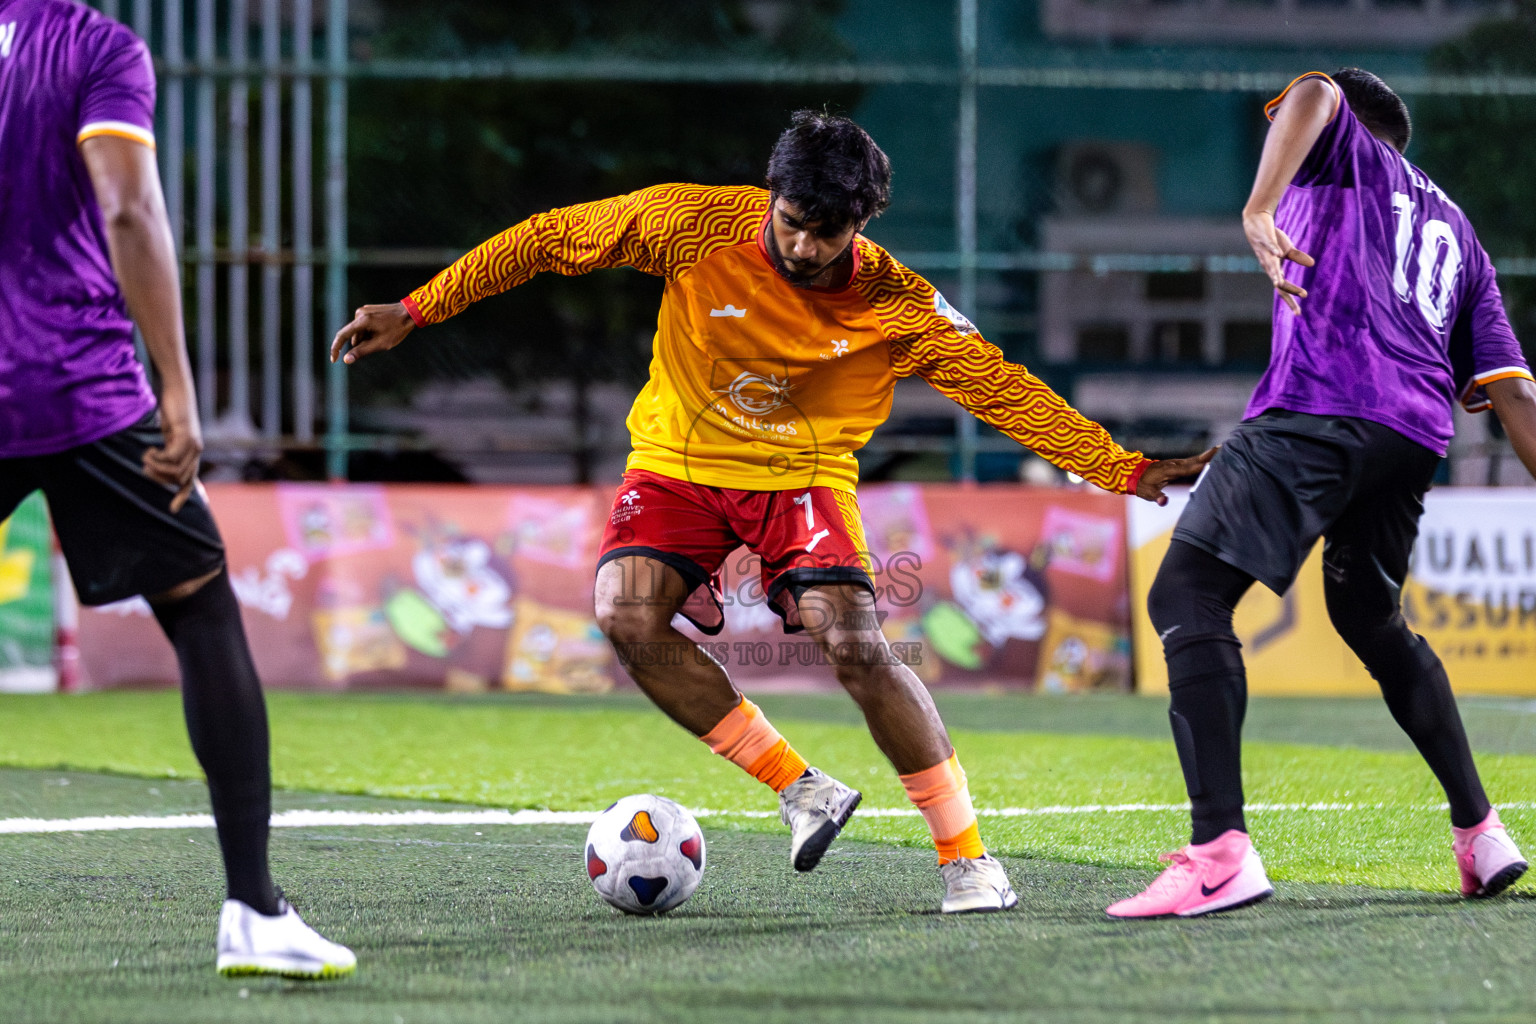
276, 55
269, 398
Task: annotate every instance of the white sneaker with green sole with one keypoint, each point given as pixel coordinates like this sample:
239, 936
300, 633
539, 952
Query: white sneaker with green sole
254, 943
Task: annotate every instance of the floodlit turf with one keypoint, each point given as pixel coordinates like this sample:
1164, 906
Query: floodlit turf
576, 754
482, 924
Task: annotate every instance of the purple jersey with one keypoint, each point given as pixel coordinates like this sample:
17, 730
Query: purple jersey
1403, 314
68, 373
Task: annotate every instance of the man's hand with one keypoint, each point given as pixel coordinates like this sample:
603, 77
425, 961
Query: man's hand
175, 464
1164, 472
373, 329
1273, 248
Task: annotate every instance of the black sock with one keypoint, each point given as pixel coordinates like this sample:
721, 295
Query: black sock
227, 723
1191, 605
1365, 603
1418, 693
1206, 713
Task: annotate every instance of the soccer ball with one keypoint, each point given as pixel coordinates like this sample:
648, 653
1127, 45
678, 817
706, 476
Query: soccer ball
645, 854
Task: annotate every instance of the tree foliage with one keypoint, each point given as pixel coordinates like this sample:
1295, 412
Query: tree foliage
1482, 149
451, 163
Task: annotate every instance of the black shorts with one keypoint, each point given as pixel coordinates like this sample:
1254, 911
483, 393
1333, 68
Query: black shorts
1284, 479
114, 523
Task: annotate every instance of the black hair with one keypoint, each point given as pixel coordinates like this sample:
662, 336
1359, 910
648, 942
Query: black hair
830, 169
1381, 110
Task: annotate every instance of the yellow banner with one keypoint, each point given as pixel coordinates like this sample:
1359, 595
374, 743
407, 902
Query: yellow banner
1471, 594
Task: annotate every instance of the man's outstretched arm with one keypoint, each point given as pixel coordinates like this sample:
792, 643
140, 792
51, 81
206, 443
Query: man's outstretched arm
654, 230
571, 240
972, 372
127, 186
1300, 116
1514, 402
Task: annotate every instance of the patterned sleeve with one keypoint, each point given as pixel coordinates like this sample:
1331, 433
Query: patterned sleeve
932, 340
662, 230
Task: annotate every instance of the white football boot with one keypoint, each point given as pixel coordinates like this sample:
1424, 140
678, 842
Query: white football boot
254, 943
976, 885
815, 807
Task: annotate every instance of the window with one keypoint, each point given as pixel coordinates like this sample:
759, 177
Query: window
1103, 343
1188, 287
1179, 341
1246, 342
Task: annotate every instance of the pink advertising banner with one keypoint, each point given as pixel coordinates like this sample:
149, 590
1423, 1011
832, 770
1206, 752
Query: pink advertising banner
487, 588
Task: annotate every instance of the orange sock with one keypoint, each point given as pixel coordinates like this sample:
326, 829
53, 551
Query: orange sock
944, 799
747, 739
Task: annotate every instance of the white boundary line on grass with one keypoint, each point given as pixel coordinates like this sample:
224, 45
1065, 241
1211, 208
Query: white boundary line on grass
355, 819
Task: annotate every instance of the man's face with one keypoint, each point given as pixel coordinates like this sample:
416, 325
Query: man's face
806, 253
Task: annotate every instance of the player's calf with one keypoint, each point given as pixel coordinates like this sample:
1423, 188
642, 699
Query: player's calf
973, 881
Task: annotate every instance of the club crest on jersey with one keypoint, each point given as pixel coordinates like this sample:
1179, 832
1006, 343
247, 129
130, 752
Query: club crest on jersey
752, 398
757, 394
942, 307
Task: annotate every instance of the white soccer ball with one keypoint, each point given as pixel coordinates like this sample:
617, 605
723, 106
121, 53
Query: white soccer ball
645, 854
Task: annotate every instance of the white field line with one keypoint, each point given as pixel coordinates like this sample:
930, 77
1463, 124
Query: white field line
353, 819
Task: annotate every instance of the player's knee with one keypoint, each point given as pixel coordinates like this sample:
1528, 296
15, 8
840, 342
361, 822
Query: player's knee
862, 666
1167, 602
1188, 615
1365, 628
1181, 609
182, 591
630, 622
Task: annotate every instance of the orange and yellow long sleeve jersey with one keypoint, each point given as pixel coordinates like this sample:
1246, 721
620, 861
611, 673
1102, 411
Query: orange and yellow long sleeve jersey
757, 384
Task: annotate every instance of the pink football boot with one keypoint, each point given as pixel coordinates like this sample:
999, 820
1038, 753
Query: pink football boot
1489, 860
1222, 874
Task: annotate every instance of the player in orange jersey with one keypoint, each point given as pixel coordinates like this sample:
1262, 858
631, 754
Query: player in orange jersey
781, 335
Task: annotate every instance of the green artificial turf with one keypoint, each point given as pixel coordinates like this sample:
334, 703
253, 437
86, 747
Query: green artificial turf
574, 755
498, 923
482, 923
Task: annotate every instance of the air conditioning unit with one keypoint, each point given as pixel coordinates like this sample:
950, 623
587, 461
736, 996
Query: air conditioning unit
1096, 179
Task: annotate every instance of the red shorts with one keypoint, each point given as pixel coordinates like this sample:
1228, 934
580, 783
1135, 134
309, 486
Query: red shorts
803, 537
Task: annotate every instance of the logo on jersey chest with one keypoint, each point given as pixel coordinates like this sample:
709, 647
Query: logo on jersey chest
756, 394
752, 396
7, 38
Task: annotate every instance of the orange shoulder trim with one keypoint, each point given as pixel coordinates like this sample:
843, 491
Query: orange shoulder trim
1273, 105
